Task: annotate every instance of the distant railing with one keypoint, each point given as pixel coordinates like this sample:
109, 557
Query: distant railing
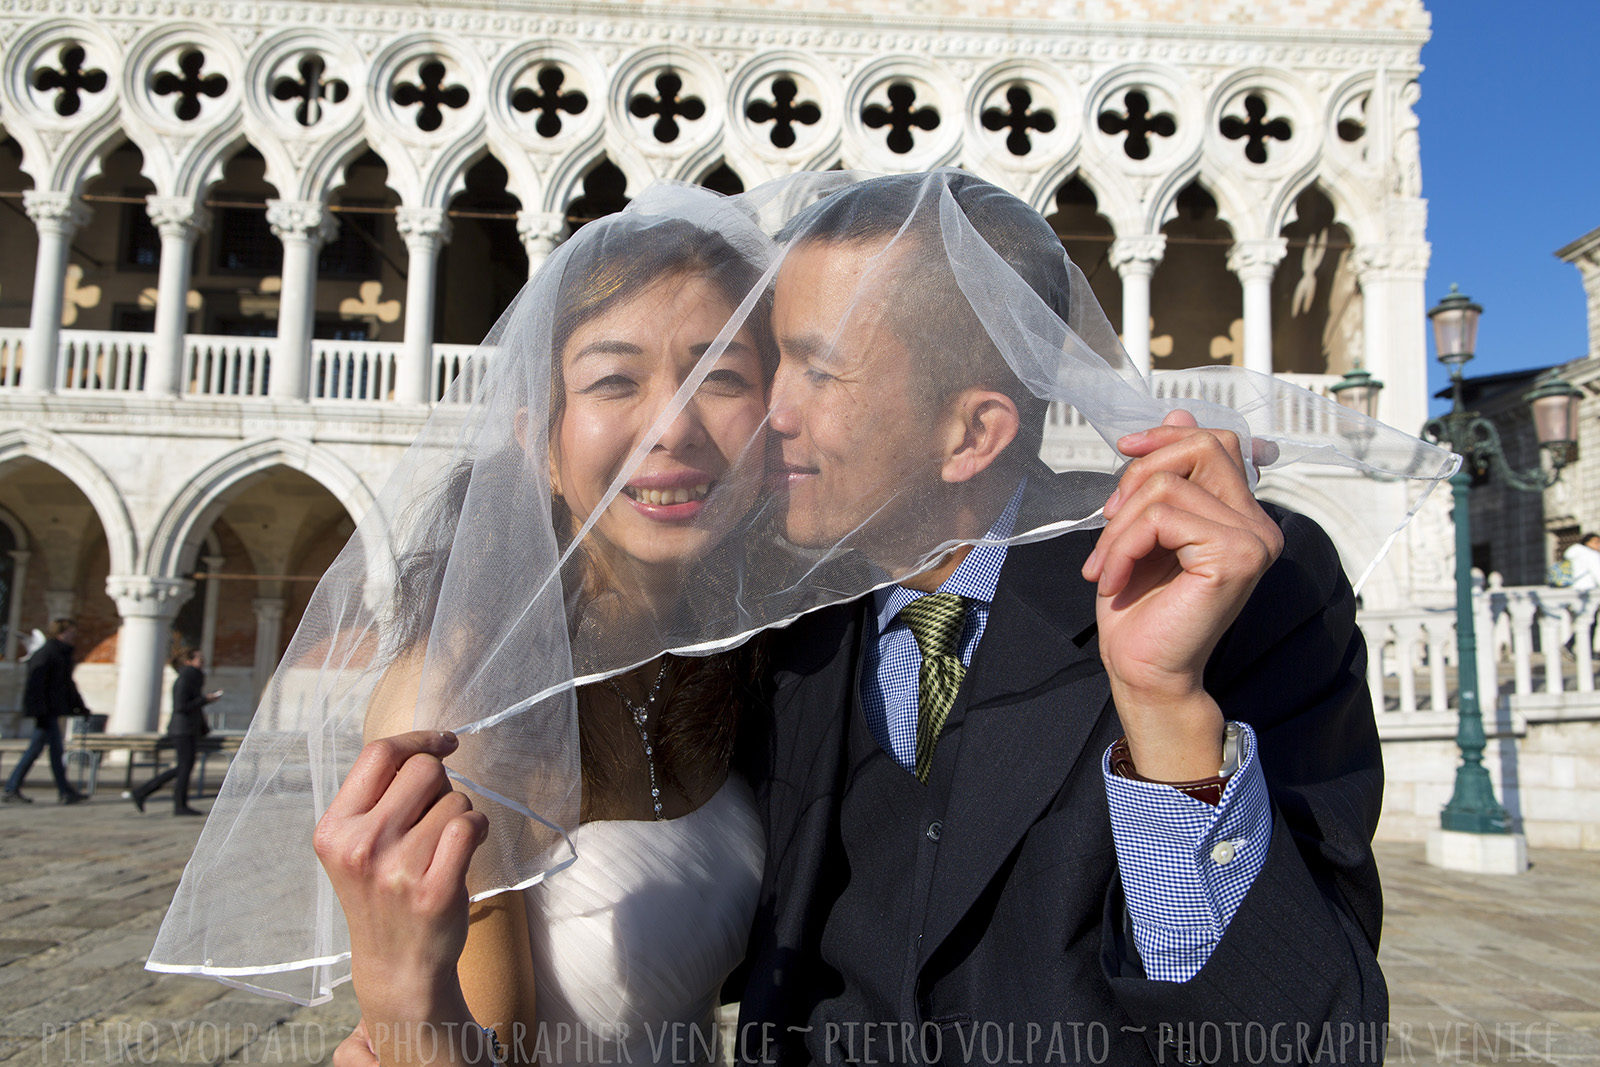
1535, 651
1293, 407
463, 365
11, 342
102, 361
353, 370
220, 365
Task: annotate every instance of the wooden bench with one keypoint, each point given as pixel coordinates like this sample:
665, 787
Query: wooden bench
151, 752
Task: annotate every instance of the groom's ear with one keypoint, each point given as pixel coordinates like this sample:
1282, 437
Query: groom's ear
980, 424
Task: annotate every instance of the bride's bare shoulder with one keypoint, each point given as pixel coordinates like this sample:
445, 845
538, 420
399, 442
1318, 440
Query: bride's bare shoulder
393, 706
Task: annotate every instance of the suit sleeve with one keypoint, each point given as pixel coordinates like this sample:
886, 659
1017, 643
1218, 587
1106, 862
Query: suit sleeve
1297, 965
62, 691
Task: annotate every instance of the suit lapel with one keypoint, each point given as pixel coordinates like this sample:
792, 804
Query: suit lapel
811, 702
1033, 696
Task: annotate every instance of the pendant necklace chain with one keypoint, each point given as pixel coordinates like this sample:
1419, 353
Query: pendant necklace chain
640, 714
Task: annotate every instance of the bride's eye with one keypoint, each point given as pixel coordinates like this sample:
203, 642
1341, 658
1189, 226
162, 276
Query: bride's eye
726, 382
612, 385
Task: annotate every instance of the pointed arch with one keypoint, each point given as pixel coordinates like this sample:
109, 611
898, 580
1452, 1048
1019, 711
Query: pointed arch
177, 534
78, 467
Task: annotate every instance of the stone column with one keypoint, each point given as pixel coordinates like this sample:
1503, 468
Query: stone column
144, 644
1394, 328
269, 622
1255, 262
178, 221
1135, 259
302, 226
208, 618
425, 231
19, 576
57, 216
540, 232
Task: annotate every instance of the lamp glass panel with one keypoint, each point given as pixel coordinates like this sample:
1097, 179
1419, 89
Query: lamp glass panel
1553, 418
1455, 333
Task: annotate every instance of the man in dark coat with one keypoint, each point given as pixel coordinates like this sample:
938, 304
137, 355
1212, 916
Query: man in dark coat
186, 727
1143, 832
49, 694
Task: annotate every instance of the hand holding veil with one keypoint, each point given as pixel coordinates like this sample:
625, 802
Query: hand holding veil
533, 539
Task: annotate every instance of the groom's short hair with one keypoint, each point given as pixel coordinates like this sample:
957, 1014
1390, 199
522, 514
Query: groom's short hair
940, 325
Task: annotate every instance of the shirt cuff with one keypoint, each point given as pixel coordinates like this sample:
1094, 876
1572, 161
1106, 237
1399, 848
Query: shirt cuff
1185, 864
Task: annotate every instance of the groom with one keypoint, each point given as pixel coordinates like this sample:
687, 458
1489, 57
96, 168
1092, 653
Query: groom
1105, 797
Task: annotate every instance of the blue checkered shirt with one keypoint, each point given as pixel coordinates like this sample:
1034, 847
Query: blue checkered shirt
1185, 865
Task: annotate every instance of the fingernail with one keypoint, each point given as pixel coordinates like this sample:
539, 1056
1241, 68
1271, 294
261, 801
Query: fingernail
448, 738
1112, 501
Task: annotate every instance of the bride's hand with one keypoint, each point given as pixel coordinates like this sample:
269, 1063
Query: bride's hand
396, 842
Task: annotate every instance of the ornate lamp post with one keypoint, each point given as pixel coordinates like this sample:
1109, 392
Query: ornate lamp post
1473, 809
1358, 390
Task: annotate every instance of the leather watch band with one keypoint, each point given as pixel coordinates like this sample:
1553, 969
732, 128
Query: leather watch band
1208, 790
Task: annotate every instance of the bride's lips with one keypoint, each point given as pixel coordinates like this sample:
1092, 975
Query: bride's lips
673, 496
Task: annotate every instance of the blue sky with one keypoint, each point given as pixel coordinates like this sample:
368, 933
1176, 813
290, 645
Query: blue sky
1510, 131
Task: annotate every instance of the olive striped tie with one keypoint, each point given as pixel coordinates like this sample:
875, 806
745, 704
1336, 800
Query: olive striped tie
935, 621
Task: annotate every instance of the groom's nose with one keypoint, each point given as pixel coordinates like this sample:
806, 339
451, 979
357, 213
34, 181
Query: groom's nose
783, 417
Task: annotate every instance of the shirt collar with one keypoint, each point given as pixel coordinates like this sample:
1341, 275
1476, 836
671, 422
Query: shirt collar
974, 578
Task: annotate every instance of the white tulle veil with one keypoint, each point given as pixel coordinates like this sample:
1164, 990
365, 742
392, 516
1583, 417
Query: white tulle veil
470, 590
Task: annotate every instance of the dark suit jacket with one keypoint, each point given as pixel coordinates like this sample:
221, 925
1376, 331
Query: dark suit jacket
1023, 923
49, 691
188, 704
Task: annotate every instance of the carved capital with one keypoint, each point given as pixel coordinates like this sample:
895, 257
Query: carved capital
540, 230
428, 226
1257, 260
302, 220
268, 610
138, 596
1390, 262
55, 212
176, 216
1138, 254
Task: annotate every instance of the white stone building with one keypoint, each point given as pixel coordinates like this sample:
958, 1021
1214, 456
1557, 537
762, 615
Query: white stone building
245, 244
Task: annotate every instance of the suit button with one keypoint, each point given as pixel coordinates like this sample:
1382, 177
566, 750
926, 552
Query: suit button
935, 828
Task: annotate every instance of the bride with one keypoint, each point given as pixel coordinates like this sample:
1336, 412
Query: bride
555, 968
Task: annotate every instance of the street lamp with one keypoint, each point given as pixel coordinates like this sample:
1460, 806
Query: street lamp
1358, 390
1473, 808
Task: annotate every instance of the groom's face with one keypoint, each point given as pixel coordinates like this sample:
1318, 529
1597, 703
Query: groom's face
856, 440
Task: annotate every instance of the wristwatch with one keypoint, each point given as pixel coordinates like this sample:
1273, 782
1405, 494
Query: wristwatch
1206, 789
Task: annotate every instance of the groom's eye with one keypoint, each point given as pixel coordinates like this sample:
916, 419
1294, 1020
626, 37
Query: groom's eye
817, 377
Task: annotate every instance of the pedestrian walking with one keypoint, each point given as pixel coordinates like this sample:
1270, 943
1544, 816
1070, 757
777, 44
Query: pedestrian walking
185, 729
49, 694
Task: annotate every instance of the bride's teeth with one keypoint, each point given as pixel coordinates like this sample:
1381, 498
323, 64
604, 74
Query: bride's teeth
681, 495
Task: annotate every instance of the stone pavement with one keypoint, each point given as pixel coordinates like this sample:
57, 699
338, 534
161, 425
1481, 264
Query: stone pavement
1481, 969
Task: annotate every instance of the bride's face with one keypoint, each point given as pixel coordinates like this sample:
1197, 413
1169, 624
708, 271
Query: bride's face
621, 369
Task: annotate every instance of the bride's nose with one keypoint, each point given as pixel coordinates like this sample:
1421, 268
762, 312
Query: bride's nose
684, 431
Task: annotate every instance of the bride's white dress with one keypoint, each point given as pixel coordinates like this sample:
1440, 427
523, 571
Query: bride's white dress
632, 942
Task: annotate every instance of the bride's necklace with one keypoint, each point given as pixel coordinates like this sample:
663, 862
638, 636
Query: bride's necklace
640, 714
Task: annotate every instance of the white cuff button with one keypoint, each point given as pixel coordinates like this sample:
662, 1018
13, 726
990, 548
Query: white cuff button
1223, 852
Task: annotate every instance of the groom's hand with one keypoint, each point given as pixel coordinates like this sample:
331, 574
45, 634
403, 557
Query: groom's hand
1184, 544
